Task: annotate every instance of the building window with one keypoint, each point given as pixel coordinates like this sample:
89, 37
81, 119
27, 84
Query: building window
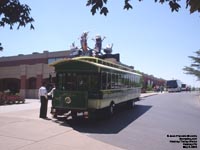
32, 83
51, 60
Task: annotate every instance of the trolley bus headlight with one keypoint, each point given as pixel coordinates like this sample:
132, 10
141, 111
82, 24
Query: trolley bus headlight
68, 100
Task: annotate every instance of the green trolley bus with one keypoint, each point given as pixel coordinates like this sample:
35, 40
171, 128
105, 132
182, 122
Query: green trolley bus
93, 86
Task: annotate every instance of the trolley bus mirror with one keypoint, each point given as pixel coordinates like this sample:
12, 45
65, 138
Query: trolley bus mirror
50, 78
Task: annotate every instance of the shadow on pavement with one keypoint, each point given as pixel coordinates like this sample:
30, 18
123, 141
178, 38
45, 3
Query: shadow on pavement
118, 122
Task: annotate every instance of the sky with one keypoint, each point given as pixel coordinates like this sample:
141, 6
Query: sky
149, 37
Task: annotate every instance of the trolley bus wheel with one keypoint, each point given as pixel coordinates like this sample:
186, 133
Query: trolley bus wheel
130, 104
111, 110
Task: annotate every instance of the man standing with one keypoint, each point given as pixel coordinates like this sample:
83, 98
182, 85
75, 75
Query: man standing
42, 93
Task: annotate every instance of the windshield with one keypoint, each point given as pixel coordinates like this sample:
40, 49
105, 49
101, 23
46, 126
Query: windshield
172, 84
77, 81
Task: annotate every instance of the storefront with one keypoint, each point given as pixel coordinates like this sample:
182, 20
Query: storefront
24, 74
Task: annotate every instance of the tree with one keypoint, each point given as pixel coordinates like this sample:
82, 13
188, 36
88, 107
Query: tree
174, 5
194, 68
13, 12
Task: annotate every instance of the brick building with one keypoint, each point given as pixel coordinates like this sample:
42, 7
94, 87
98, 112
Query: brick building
151, 81
24, 74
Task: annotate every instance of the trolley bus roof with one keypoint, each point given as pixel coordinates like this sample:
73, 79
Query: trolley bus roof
96, 62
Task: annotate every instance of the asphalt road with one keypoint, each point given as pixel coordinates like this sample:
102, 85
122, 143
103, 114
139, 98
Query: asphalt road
160, 122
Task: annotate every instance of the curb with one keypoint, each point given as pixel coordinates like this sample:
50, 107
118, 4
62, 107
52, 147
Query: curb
148, 95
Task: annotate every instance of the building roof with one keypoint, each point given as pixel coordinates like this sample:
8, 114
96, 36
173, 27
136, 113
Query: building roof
33, 58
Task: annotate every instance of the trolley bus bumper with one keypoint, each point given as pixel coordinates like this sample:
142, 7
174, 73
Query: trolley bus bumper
73, 112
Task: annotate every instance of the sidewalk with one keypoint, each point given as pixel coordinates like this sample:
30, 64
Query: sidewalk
26, 134
149, 94
23, 130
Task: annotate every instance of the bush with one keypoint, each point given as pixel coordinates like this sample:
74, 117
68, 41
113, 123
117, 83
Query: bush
149, 88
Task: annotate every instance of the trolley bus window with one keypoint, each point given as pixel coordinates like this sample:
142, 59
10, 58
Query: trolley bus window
126, 80
114, 80
70, 81
103, 80
106, 80
60, 81
109, 80
94, 82
77, 81
118, 80
82, 82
